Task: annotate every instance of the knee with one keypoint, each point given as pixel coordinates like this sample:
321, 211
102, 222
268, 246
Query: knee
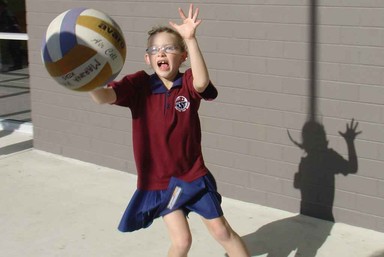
222, 232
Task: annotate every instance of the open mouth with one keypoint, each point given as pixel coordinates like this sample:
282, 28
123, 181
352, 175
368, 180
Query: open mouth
163, 65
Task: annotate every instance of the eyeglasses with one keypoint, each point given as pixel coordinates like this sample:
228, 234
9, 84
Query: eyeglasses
169, 49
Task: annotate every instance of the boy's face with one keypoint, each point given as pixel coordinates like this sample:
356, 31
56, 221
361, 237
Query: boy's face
165, 56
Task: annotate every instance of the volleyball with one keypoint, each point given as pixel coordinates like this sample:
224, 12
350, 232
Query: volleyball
83, 49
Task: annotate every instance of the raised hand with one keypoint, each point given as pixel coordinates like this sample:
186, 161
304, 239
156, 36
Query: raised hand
350, 132
188, 28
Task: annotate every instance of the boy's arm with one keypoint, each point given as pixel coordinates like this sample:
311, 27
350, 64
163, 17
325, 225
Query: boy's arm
187, 30
103, 95
198, 66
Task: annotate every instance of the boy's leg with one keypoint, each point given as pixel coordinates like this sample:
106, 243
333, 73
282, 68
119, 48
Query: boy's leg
224, 234
179, 232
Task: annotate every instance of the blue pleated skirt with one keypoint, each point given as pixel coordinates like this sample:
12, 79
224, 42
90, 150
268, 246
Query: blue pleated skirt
198, 196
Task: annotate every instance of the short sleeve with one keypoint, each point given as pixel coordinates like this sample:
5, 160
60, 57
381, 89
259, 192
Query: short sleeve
210, 93
127, 88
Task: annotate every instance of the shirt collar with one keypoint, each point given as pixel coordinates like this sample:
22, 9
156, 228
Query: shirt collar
157, 85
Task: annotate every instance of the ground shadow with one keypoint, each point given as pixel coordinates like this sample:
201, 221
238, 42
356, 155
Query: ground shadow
300, 234
378, 254
21, 146
8, 128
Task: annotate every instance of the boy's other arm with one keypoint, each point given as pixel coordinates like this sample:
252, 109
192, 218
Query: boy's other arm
104, 95
188, 30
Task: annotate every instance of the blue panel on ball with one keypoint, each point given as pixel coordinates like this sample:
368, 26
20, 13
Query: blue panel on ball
46, 56
67, 31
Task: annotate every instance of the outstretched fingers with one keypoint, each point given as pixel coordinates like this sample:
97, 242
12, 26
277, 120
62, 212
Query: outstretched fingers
187, 27
181, 13
193, 15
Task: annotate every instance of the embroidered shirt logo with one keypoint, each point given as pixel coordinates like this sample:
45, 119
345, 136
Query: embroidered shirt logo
181, 103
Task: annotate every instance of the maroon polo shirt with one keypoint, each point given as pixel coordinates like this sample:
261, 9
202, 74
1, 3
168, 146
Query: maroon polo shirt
165, 127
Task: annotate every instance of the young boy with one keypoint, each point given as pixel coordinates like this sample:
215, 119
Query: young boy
172, 177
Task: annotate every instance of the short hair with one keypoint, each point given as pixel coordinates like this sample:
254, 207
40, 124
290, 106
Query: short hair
160, 29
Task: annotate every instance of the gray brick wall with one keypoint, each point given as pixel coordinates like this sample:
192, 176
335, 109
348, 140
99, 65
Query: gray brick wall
257, 54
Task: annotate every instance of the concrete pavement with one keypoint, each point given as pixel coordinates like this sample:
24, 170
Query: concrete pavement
56, 206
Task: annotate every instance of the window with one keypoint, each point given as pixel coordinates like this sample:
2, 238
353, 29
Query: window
14, 74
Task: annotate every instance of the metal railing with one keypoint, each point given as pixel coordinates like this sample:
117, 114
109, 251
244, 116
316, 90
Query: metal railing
13, 36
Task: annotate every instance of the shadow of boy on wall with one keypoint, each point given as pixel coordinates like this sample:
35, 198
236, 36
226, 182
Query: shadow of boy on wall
316, 176
316, 181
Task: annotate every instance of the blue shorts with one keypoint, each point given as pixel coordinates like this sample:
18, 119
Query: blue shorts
199, 196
